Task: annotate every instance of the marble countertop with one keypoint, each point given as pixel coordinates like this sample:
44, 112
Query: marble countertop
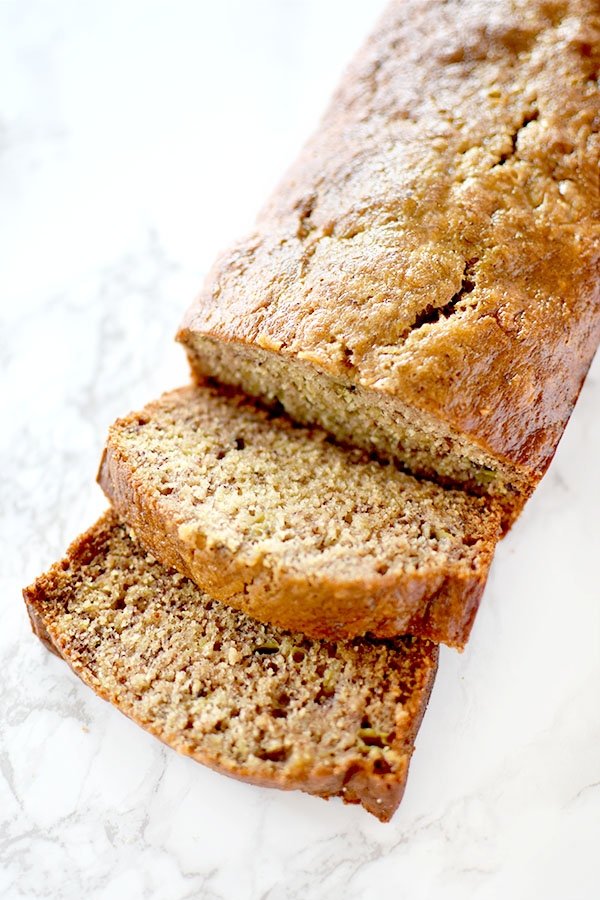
136, 139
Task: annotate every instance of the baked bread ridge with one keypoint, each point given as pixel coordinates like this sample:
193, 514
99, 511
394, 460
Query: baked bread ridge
239, 697
276, 520
425, 280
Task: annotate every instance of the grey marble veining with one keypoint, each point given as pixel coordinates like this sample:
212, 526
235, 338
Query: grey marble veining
135, 139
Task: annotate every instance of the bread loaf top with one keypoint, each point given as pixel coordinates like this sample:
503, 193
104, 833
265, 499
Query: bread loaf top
438, 240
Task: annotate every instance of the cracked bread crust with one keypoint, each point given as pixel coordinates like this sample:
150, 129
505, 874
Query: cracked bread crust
437, 244
251, 702
276, 520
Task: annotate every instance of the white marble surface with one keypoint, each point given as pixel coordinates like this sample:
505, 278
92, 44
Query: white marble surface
137, 138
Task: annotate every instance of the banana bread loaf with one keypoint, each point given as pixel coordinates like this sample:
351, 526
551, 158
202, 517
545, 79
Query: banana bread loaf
280, 522
250, 701
425, 282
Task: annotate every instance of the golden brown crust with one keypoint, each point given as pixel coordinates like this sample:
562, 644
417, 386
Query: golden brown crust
439, 238
379, 793
36, 618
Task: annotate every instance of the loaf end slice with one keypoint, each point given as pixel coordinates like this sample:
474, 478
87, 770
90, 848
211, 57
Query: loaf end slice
280, 522
250, 701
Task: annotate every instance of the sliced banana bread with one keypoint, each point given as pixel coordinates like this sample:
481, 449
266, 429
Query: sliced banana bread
250, 701
280, 522
425, 281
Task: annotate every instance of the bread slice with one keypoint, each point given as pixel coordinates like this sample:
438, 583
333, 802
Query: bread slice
425, 281
253, 702
281, 523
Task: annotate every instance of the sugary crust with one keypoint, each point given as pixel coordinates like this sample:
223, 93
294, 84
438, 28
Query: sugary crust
439, 237
438, 603
380, 794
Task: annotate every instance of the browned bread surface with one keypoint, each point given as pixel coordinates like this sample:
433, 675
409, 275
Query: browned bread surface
253, 702
278, 521
425, 281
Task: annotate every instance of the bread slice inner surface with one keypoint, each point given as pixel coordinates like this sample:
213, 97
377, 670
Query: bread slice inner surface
292, 528
355, 416
249, 700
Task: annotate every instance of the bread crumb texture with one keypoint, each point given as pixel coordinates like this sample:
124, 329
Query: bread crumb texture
234, 477
250, 700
